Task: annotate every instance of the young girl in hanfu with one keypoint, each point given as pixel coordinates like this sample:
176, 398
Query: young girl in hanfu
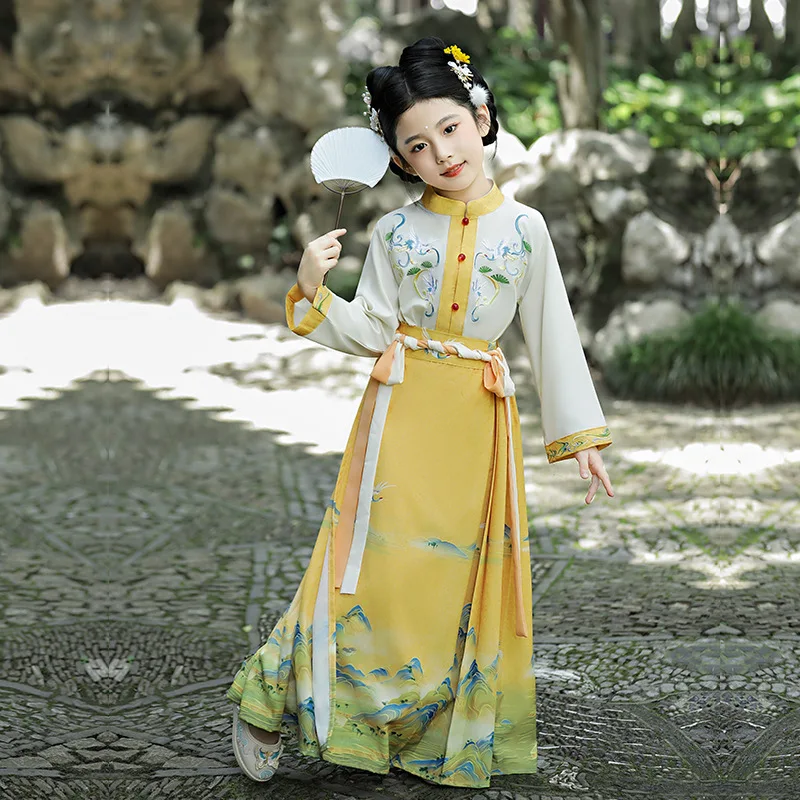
409, 641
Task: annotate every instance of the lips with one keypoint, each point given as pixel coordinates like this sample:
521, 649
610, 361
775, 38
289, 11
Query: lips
451, 173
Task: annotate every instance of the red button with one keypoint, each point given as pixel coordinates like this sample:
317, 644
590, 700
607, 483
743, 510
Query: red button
454, 306
461, 256
465, 221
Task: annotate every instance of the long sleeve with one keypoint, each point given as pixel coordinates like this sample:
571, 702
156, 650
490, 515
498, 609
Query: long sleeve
572, 419
362, 327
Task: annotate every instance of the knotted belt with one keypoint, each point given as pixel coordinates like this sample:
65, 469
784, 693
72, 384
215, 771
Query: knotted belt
389, 369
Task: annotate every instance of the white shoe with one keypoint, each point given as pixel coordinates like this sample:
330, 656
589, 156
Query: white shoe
257, 760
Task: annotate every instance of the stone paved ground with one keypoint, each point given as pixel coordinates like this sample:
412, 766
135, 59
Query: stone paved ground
151, 536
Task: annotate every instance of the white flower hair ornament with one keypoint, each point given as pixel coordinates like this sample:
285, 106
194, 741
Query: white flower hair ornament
478, 94
372, 113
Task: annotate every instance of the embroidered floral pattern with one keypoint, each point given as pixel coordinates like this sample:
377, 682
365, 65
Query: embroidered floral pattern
566, 446
496, 265
412, 257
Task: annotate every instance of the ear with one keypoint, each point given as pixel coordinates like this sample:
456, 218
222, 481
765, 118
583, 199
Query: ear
409, 169
484, 119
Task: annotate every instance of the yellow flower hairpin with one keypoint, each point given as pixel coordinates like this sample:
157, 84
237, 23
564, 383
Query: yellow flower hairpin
457, 53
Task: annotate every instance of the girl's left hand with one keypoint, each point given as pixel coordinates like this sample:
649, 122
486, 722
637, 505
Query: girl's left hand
590, 460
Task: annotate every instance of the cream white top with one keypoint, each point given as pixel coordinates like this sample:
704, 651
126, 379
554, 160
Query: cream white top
466, 269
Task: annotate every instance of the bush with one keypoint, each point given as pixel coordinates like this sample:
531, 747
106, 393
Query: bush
722, 358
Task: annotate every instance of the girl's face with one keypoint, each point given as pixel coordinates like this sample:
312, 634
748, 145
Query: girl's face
434, 135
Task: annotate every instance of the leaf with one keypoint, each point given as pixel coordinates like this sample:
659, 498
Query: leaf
526, 245
388, 236
427, 264
500, 278
485, 269
414, 271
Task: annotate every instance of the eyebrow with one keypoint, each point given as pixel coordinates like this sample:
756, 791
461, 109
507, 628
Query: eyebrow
443, 119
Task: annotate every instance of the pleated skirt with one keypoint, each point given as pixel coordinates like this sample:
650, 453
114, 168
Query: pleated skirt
421, 667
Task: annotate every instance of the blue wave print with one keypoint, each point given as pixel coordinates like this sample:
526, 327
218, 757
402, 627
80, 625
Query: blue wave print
473, 681
332, 504
300, 639
383, 716
408, 671
351, 670
280, 675
356, 616
421, 718
343, 677
379, 672
465, 612
444, 547
430, 764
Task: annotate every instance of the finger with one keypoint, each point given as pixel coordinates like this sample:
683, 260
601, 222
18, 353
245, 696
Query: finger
592, 489
337, 232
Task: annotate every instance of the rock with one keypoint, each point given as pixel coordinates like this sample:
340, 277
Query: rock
723, 249
632, 320
155, 755
45, 251
781, 316
611, 204
766, 189
25, 762
779, 249
191, 762
565, 234
220, 297
171, 251
591, 156
653, 251
275, 40
554, 191
263, 297
679, 189
509, 159
58, 756
234, 220
66, 50
178, 290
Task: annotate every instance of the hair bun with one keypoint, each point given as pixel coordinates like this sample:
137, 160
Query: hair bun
429, 47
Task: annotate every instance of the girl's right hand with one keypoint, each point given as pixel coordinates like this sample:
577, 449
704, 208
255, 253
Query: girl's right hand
320, 256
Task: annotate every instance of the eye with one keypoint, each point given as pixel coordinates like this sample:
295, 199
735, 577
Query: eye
451, 125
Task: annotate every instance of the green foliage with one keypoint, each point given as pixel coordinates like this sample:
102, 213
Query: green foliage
722, 105
520, 73
722, 358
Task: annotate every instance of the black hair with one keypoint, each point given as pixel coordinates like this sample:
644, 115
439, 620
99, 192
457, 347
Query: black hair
423, 74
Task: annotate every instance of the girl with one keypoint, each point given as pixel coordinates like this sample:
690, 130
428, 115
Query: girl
408, 642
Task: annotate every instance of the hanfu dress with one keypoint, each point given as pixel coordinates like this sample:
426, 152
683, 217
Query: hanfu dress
409, 640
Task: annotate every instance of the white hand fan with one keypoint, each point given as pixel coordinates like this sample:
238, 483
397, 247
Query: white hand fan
347, 160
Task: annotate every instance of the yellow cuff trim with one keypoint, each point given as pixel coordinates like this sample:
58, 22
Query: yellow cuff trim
567, 446
314, 316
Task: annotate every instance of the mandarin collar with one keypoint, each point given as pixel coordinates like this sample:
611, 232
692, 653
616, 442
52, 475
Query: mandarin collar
440, 204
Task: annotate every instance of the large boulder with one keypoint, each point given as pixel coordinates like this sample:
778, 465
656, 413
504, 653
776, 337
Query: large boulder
653, 252
634, 319
779, 250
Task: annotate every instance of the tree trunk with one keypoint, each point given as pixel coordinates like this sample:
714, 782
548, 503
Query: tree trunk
792, 40
761, 28
577, 24
520, 15
680, 40
623, 15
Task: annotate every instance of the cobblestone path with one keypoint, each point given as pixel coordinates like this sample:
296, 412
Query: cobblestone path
162, 477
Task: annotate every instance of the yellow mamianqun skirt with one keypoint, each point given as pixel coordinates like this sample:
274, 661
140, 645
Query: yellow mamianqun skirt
422, 665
